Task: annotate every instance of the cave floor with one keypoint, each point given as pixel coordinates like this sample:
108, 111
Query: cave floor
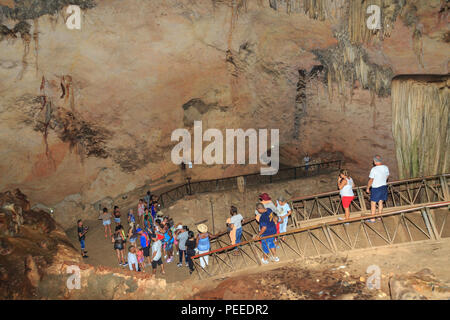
315, 278
101, 251
333, 277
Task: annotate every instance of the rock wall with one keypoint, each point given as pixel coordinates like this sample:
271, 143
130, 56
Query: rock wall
88, 114
31, 244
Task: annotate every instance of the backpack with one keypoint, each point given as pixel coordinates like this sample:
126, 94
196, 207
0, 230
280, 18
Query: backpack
147, 241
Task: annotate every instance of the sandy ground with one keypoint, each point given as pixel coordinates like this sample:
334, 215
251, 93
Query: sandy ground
101, 251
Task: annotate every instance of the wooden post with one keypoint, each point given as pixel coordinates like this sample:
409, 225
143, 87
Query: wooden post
212, 216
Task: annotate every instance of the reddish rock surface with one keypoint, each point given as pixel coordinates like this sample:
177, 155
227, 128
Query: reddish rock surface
88, 114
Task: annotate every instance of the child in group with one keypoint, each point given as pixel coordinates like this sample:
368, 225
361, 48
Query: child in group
141, 211
140, 258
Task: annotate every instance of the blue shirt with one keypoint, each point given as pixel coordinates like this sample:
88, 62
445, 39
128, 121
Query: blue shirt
131, 216
203, 244
268, 219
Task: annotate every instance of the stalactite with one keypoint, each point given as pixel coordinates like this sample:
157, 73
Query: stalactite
314, 9
300, 101
418, 44
357, 20
305, 79
24, 29
421, 124
347, 63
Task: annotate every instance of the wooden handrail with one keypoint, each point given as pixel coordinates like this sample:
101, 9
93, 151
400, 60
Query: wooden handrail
415, 208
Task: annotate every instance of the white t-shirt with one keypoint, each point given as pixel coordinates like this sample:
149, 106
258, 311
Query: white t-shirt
156, 247
132, 259
379, 174
236, 220
283, 209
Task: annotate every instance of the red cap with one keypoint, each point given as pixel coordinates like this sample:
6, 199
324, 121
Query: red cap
264, 197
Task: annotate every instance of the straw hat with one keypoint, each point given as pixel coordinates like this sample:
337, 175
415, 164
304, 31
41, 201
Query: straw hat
202, 228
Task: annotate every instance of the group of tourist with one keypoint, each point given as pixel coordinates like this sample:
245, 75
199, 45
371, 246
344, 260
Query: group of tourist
153, 238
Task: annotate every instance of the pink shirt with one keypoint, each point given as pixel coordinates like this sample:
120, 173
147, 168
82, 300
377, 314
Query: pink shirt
140, 256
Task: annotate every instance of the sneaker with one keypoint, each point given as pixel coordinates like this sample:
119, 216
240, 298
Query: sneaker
169, 260
165, 257
276, 259
340, 218
264, 261
187, 264
179, 265
85, 256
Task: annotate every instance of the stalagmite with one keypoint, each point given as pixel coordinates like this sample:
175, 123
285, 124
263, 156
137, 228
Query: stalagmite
421, 124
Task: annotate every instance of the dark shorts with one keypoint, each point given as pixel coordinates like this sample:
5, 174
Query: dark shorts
82, 244
156, 263
146, 251
379, 194
118, 246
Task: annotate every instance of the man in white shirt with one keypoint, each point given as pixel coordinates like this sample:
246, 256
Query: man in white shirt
156, 254
378, 182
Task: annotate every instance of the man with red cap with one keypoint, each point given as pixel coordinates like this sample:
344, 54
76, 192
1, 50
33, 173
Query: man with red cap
265, 199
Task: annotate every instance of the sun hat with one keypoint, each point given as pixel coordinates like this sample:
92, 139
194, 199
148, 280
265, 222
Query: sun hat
202, 228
